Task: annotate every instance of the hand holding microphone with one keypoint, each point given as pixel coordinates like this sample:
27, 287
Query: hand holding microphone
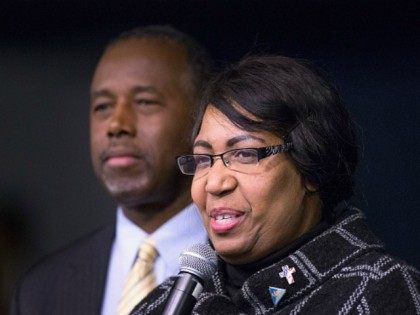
197, 265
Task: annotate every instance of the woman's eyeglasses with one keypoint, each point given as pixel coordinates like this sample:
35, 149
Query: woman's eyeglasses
241, 160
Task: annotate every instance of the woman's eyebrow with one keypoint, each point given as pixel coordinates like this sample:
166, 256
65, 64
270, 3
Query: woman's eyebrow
202, 143
230, 143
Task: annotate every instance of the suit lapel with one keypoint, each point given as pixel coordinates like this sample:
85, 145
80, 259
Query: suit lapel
83, 281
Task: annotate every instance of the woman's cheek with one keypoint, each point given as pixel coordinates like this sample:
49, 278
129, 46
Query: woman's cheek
195, 192
198, 196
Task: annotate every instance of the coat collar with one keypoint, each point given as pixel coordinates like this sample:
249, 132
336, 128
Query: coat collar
83, 283
310, 266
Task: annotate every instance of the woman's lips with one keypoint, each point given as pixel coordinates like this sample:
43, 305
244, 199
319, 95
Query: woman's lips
223, 220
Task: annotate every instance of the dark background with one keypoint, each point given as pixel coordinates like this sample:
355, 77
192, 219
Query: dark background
48, 50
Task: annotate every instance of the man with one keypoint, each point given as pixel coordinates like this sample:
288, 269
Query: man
143, 95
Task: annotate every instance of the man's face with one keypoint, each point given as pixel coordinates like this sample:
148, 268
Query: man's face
140, 119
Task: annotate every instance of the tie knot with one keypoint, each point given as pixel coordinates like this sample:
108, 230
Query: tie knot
141, 279
147, 251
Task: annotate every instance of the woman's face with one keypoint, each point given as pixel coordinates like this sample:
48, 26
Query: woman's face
249, 216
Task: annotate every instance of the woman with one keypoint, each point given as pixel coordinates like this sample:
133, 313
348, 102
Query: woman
273, 163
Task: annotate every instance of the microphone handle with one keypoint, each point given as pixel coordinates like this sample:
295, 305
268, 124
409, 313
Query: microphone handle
183, 295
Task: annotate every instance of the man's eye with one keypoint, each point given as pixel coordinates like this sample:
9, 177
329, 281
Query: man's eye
100, 107
145, 102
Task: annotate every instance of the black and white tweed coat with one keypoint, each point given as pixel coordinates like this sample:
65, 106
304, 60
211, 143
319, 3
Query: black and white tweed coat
342, 271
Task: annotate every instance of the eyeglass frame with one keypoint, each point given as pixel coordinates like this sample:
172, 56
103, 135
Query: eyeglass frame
262, 153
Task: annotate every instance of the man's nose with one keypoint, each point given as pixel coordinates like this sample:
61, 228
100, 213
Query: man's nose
123, 121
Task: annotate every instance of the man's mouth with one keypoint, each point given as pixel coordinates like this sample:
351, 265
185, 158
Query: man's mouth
121, 161
118, 156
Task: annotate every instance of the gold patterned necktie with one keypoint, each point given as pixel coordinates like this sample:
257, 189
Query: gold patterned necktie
141, 279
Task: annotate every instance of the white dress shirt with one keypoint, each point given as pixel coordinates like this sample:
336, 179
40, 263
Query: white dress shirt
184, 229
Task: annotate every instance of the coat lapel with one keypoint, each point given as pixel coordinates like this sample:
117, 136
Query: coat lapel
83, 279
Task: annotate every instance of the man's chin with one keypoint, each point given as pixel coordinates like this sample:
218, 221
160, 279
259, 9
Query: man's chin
140, 191
126, 193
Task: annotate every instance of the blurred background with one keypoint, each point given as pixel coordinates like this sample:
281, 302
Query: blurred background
48, 51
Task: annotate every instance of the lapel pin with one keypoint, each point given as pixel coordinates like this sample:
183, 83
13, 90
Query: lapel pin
276, 294
287, 273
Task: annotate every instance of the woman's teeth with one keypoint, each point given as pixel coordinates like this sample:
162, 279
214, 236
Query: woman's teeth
224, 216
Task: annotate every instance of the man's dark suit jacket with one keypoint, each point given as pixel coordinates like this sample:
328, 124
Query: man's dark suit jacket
70, 281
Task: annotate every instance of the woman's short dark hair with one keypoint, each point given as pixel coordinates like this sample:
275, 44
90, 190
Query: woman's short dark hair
297, 102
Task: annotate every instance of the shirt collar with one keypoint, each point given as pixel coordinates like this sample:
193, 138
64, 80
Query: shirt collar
184, 225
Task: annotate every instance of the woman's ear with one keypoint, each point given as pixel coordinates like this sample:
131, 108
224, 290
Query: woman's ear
310, 188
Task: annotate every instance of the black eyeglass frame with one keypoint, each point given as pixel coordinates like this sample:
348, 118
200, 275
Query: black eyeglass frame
261, 154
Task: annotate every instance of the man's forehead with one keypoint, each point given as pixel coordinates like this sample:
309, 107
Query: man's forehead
147, 47
154, 55
143, 58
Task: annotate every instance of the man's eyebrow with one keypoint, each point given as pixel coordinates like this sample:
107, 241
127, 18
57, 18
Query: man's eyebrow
136, 89
102, 92
142, 88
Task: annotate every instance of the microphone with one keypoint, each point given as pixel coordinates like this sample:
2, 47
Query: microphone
197, 264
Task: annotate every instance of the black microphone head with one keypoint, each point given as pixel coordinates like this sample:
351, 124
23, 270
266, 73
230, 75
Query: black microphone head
200, 260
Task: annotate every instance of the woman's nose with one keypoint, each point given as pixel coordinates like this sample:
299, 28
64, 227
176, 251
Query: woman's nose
123, 121
220, 179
